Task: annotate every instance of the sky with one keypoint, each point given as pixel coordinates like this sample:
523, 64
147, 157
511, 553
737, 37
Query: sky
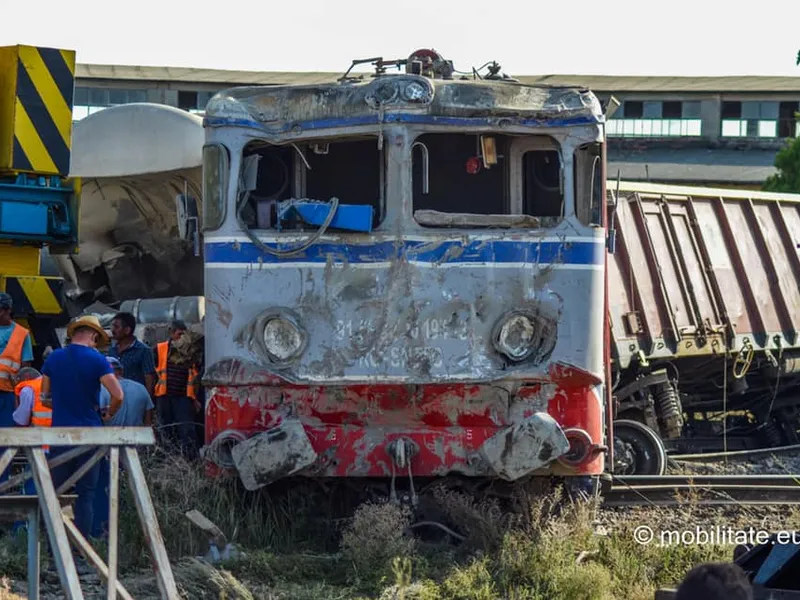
622, 37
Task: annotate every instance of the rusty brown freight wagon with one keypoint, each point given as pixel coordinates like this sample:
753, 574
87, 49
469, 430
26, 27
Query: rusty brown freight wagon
704, 288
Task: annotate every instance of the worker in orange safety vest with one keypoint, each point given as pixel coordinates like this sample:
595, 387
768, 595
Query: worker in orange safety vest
30, 411
16, 351
176, 394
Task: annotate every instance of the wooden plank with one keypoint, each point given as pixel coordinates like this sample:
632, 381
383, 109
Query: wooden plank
204, 523
17, 507
56, 532
27, 437
149, 521
7, 457
53, 463
113, 522
80, 472
34, 553
93, 557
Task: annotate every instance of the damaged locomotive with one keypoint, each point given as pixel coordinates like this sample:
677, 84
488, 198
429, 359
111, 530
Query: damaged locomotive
405, 278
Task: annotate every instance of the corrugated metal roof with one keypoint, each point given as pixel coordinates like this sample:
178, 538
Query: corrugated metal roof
189, 75
612, 83
598, 83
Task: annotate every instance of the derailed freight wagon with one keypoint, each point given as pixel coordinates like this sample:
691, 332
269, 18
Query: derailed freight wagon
704, 296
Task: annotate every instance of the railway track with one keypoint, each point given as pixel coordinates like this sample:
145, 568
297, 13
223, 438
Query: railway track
735, 454
707, 490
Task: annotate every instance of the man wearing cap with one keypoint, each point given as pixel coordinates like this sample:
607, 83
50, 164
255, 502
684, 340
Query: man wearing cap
176, 392
16, 351
136, 411
71, 381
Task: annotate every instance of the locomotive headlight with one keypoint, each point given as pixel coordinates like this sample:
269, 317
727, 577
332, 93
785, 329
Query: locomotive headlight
515, 337
283, 339
520, 335
415, 92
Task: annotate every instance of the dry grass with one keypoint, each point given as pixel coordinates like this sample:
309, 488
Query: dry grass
375, 538
295, 548
5, 590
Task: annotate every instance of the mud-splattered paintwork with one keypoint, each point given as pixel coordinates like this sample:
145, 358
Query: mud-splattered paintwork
399, 323
350, 427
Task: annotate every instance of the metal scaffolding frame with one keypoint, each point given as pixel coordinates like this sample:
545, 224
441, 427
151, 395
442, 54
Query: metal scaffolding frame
118, 443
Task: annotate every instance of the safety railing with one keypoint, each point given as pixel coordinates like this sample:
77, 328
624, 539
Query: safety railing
119, 443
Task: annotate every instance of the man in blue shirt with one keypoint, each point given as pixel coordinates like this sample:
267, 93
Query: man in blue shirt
137, 410
71, 382
12, 360
135, 356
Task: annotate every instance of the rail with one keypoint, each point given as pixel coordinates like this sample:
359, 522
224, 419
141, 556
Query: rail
118, 443
707, 490
735, 454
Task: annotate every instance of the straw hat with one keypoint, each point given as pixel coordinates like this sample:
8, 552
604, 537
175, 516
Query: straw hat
93, 323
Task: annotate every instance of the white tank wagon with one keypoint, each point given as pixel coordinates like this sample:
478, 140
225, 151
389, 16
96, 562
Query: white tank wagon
134, 160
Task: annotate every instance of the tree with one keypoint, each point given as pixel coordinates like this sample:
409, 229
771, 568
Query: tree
787, 161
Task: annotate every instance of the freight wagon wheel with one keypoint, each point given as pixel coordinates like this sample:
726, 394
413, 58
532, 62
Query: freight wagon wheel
638, 450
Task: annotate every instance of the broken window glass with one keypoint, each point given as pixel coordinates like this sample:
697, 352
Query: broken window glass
464, 180
295, 185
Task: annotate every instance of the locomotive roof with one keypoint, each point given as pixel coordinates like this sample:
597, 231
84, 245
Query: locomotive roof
386, 99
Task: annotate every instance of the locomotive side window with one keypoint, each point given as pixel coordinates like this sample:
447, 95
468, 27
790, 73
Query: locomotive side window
541, 184
589, 200
350, 170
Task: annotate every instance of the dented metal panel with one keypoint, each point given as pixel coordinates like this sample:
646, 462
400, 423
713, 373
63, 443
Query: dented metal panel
282, 109
697, 270
411, 311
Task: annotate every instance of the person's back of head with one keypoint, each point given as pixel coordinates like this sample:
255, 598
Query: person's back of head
26, 374
715, 581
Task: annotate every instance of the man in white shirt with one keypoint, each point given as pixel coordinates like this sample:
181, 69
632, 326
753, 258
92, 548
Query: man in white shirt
24, 410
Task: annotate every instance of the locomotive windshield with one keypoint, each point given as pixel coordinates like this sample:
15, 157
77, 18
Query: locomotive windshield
350, 169
465, 180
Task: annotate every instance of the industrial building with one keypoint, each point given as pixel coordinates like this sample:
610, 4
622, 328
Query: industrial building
720, 131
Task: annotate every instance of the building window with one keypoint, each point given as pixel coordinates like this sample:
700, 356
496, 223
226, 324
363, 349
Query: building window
202, 101
633, 109
194, 102
656, 119
787, 119
91, 100
187, 100
756, 119
672, 110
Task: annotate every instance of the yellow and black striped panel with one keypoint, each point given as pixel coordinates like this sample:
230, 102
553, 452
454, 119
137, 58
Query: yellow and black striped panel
19, 260
35, 295
42, 98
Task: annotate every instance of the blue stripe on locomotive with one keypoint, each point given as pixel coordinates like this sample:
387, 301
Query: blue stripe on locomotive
445, 252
